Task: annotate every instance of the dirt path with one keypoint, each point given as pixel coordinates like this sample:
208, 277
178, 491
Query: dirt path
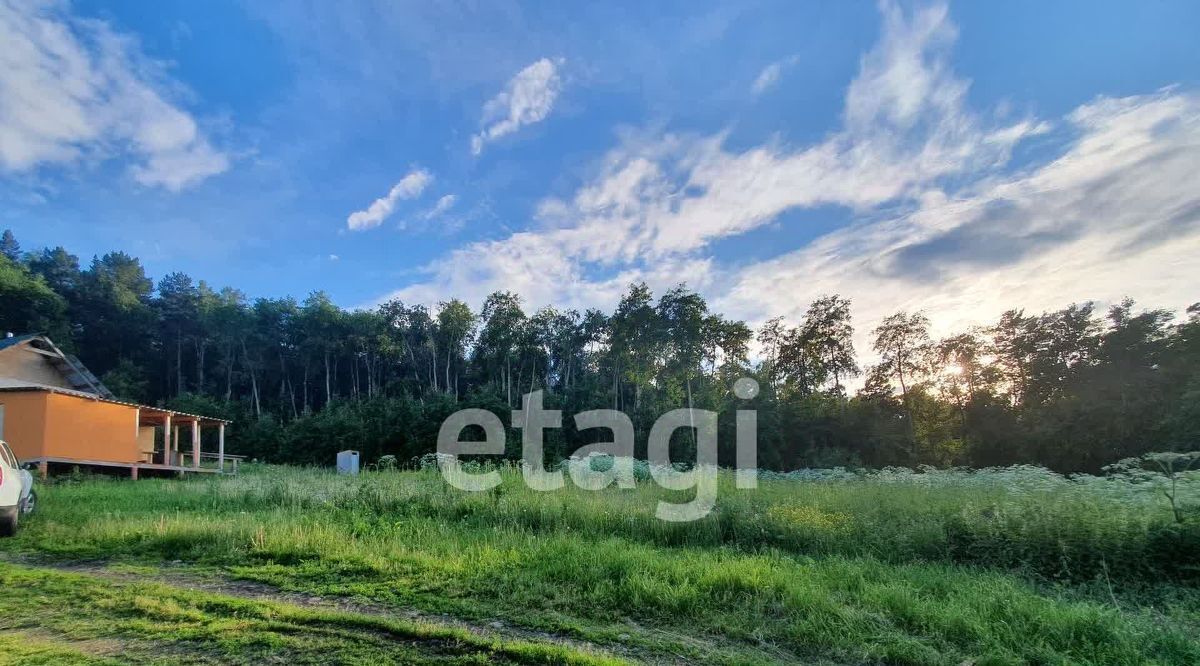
95, 647
174, 575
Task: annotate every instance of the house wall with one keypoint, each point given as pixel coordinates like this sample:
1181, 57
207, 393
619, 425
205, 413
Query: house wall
86, 429
24, 422
23, 364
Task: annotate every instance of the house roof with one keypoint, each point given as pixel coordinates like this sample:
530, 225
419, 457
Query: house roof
8, 385
85, 384
72, 370
16, 340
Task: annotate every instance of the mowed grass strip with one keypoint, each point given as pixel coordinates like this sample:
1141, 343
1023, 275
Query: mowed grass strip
50, 616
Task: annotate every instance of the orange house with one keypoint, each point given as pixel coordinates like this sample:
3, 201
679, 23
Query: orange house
54, 411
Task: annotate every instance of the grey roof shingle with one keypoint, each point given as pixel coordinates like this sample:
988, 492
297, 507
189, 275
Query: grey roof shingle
16, 340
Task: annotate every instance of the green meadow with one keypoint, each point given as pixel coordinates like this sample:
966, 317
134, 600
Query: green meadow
1004, 566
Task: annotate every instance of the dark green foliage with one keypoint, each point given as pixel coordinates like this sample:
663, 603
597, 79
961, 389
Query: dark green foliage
1063, 389
9, 247
27, 303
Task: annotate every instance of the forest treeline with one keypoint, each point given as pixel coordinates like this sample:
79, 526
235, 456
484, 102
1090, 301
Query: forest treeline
1072, 389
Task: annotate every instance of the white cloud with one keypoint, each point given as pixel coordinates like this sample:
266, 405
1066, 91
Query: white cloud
527, 99
435, 214
939, 221
770, 74
656, 200
443, 204
409, 187
678, 194
906, 74
1113, 216
531, 265
73, 89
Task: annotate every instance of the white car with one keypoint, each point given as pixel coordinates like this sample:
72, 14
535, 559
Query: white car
16, 491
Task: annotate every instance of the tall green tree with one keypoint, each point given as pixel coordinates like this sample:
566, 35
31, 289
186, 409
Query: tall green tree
115, 315
831, 334
500, 335
455, 329
903, 344
179, 314
27, 303
9, 247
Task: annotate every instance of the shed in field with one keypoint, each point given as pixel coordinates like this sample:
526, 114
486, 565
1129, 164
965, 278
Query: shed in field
53, 410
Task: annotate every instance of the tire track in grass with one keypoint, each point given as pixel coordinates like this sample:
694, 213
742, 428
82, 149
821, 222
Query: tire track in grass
97, 610
661, 647
173, 575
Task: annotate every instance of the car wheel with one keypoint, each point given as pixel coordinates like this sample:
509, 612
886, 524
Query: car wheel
30, 503
8, 521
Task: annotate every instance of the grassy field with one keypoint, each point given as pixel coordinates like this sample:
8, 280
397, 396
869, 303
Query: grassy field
295, 565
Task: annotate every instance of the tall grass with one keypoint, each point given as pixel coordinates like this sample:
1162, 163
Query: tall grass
857, 567
1026, 519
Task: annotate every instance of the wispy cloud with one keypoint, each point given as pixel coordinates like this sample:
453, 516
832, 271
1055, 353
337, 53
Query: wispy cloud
436, 217
73, 90
770, 74
662, 196
940, 219
1110, 217
409, 187
659, 200
443, 204
527, 99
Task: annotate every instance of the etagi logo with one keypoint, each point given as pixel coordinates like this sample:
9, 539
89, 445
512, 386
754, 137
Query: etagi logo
533, 420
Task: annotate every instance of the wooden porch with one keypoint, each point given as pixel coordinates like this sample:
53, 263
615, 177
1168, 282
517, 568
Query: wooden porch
208, 465
169, 441
175, 451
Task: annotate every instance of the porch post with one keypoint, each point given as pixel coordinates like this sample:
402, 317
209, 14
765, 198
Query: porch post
221, 447
167, 440
196, 444
137, 437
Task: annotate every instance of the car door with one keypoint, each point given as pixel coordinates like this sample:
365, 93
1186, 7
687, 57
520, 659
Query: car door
19, 472
12, 487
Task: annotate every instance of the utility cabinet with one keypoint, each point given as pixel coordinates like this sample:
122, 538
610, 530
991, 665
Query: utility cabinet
347, 462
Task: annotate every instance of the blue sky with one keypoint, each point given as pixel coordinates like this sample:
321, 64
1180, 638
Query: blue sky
958, 159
